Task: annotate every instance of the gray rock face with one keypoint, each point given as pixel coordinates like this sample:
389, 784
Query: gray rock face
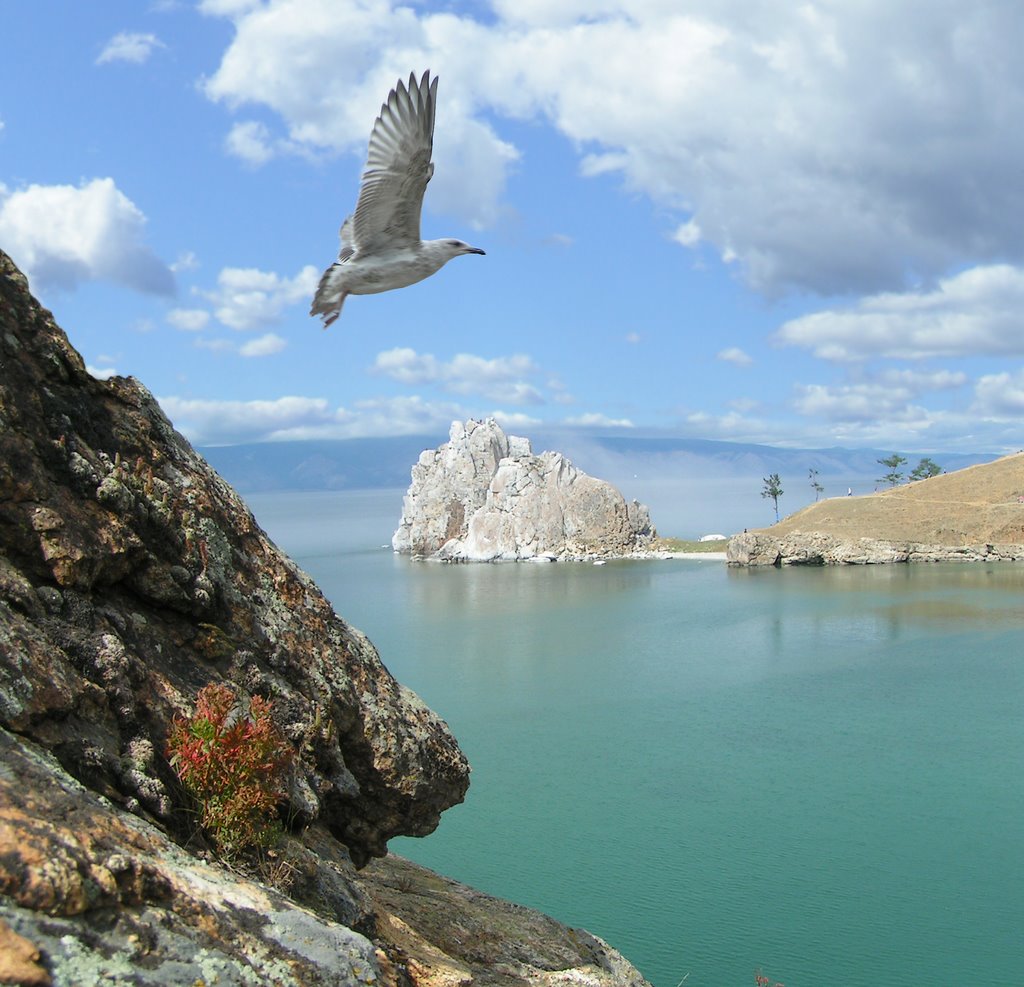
131, 575
483, 497
815, 548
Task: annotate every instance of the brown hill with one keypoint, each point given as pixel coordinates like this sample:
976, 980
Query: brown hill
977, 505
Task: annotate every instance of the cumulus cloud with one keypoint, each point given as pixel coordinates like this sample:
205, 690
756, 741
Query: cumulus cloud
500, 378
63, 235
129, 46
1000, 395
250, 141
246, 298
216, 422
265, 345
888, 396
974, 312
733, 354
836, 148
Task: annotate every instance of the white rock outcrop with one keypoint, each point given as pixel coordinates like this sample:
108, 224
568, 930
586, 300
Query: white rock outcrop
484, 497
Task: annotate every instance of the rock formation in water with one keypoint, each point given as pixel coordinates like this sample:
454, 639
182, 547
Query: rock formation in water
131, 575
483, 496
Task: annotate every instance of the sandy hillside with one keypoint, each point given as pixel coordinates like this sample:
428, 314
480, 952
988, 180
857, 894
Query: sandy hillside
979, 504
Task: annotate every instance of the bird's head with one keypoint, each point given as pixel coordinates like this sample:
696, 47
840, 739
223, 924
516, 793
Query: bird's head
455, 247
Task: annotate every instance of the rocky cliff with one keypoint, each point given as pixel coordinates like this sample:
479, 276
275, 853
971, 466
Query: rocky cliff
973, 514
130, 577
484, 496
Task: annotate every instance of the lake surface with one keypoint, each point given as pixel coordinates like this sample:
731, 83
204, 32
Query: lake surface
818, 772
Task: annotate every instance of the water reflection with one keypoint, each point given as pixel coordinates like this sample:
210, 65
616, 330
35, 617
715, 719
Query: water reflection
519, 588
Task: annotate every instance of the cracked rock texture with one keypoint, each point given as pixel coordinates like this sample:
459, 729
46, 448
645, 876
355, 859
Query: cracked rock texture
131, 575
484, 496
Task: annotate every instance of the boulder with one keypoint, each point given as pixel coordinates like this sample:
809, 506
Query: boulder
484, 496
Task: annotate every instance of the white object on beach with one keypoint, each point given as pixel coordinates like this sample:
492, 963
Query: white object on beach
381, 247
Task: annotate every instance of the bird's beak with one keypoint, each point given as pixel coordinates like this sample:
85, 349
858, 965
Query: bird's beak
476, 250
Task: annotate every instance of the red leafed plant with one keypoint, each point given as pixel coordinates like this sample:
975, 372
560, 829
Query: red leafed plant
233, 761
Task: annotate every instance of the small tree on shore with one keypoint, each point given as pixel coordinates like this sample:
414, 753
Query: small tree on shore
818, 489
925, 469
893, 464
773, 491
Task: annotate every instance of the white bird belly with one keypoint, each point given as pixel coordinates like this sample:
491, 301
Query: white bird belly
375, 273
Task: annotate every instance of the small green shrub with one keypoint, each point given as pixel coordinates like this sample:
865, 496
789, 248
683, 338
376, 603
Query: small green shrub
233, 762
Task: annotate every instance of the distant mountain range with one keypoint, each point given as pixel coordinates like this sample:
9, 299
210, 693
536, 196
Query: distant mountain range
382, 463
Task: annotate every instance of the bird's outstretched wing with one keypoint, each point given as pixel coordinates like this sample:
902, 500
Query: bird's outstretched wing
398, 168
345, 235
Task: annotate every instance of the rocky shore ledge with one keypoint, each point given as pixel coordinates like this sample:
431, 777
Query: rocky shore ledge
483, 496
131, 576
816, 548
971, 515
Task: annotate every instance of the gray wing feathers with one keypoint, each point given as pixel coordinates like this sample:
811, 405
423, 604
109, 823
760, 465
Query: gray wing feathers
398, 168
345, 235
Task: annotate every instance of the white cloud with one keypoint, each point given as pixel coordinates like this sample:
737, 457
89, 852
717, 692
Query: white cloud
592, 418
253, 143
214, 422
250, 141
733, 354
978, 311
227, 8
1000, 395
500, 378
888, 396
129, 46
509, 420
101, 373
187, 261
247, 298
188, 319
687, 234
62, 235
633, 338
265, 345
833, 148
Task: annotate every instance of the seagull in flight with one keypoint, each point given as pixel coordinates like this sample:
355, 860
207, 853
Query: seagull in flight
381, 247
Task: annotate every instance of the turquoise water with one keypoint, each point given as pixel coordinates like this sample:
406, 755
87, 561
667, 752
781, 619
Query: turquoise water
817, 772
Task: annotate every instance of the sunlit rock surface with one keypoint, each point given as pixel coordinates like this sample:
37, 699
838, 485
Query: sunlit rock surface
484, 496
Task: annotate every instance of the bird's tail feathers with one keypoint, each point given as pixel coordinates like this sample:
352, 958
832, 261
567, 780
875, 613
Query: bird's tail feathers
328, 300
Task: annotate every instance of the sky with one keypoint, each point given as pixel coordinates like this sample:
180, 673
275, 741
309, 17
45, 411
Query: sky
799, 224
